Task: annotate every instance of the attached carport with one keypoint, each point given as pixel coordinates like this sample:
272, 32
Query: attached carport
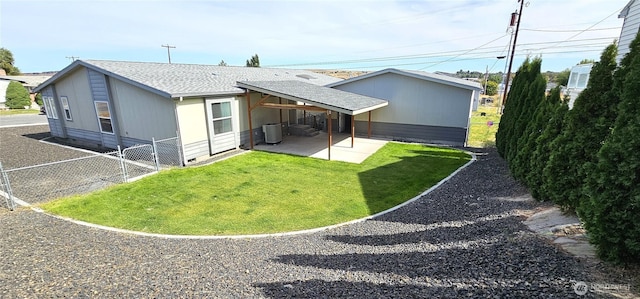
315, 98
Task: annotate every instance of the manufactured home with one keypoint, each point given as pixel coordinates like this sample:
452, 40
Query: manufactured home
114, 103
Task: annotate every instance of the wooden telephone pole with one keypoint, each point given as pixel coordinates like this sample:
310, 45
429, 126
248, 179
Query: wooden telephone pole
516, 15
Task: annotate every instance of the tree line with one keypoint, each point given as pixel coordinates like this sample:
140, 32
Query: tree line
585, 159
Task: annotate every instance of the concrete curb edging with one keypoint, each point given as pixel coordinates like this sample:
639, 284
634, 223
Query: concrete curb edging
256, 236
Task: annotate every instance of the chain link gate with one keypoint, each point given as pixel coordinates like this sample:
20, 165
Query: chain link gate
139, 160
5, 189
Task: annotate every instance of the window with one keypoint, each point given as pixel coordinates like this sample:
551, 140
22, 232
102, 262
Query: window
50, 107
572, 80
65, 107
104, 117
221, 113
582, 80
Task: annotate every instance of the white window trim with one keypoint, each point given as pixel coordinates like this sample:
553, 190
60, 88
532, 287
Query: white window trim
230, 117
65, 106
95, 105
50, 107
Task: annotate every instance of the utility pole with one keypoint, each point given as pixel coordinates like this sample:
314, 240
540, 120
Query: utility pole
486, 77
73, 58
514, 15
169, 47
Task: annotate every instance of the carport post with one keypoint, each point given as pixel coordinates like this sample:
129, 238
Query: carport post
353, 129
247, 95
329, 130
369, 126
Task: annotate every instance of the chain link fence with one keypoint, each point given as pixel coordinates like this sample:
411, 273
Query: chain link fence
48, 181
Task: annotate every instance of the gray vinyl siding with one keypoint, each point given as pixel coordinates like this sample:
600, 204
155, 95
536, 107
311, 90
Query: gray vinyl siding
421, 133
100, 92
88, 136
98, 86
196, 149
83, 115
258, 137
127, 142
142, 115
415, 101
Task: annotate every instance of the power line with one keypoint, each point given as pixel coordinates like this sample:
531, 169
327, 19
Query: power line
576, 30
487, 50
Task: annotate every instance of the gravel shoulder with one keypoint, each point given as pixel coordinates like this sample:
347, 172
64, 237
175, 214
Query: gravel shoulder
464, 239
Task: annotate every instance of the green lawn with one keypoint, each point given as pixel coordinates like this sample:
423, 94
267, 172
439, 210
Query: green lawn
480, 134
261, 192
19, 111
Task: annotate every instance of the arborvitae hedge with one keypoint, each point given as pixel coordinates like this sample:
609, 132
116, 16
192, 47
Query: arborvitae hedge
585, 128
612, 214
541, 110
513, 107
17, 96
529, 98
540, 155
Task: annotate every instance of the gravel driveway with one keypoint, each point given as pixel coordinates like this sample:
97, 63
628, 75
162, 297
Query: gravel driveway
465, 239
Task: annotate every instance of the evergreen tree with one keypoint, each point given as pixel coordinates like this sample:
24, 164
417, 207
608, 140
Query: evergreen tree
7, 62
586, 127
540, 156
17, 96
540, 111
254, 61
512, 107
611, 215
529, 99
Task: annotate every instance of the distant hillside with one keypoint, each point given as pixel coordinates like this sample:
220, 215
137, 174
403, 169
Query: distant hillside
342, 74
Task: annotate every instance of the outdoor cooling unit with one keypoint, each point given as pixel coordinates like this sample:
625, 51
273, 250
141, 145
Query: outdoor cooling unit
272, 133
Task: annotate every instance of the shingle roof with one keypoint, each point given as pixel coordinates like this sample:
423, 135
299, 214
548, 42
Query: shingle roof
416, 74
176, 80
324, 97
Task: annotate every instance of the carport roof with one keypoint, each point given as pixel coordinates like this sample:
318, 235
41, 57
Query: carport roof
320, 96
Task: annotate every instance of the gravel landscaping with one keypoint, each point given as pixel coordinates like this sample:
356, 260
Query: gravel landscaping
464, 239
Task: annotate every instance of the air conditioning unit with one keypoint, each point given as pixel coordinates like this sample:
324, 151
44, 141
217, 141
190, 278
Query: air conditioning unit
272, 133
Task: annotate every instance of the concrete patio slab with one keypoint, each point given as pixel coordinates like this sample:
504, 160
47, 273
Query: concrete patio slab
316, 147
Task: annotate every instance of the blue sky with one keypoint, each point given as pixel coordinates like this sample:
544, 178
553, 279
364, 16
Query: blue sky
368, 35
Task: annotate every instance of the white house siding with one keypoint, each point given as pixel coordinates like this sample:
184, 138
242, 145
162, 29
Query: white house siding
141, 115
630, 29
193, 128
3, 92
417, 110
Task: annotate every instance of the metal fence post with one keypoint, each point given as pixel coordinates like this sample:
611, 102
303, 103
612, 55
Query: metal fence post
9, 194
179, 146
155, 153
122, 166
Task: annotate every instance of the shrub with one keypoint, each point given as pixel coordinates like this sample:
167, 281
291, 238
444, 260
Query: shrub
613, 184
586, 127
513, 107
17, 96
540, 156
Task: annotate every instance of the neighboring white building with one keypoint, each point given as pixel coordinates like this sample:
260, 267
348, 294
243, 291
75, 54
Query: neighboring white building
578, 79
28, 81
630, 27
